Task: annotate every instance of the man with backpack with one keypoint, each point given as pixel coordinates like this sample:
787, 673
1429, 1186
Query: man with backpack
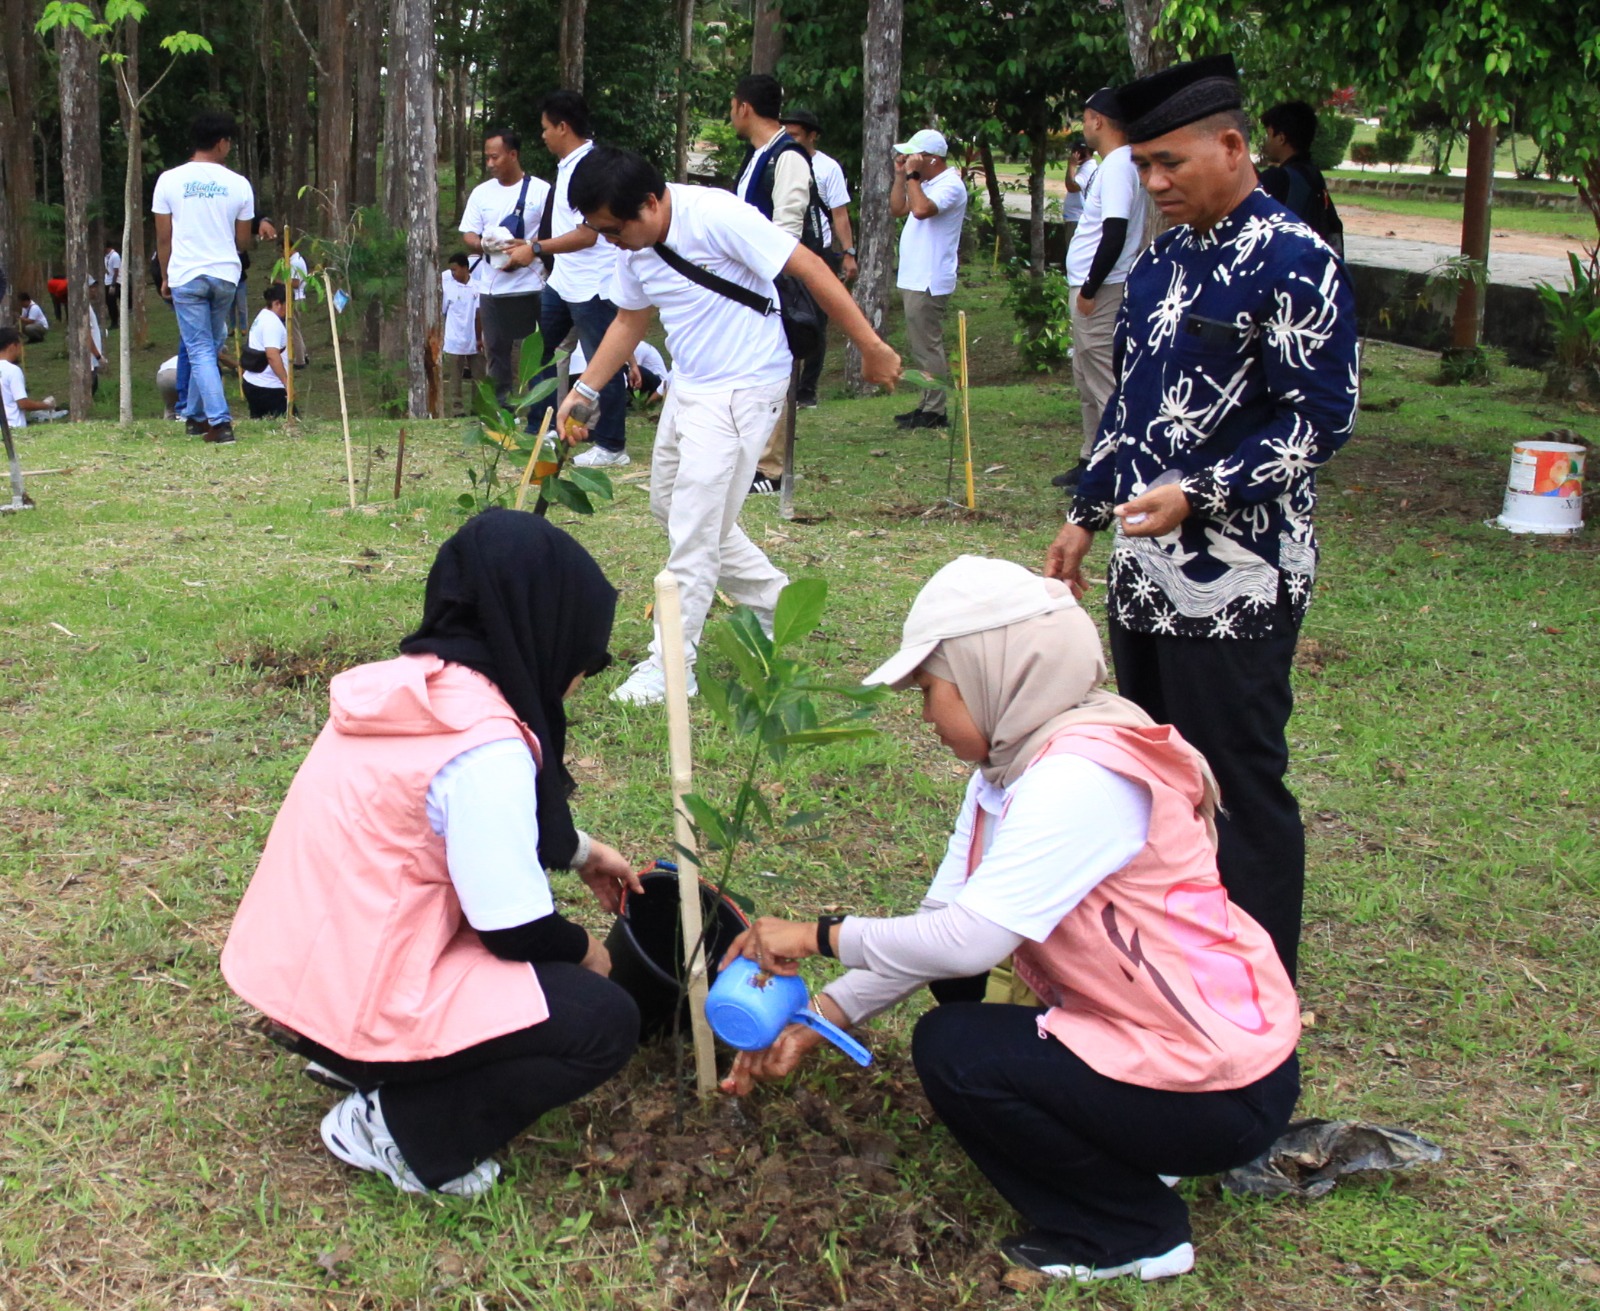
1293, 180
776, 178
501, 212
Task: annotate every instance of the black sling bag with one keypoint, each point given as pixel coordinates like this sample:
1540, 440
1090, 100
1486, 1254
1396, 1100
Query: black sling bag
803, 319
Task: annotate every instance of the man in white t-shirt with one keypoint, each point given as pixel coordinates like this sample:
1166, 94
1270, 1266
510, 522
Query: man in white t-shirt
730, 371
1109, 236
113, 283
932, 198
30, 319
500, 214
204, 214
298, 273
581, 265
462, 348
267, 388
13, 387
1081, 168
838, 240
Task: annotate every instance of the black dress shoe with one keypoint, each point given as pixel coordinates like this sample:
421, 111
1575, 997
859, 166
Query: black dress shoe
1072, 477
907, 420
928, 419
196, 427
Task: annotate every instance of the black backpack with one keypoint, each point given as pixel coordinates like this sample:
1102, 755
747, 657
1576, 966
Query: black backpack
759, 193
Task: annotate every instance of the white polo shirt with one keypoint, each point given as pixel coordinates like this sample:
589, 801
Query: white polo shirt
268, 332
717, 345
928, 246
204, 201
1072, 202
488, 207
832, 188
579, 275
113, 268
460, 305
1113, 192
13, 388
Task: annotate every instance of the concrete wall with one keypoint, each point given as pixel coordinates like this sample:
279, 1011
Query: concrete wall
1414, 186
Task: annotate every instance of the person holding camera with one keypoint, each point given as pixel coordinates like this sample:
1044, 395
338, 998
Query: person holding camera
1081, 168
931, 197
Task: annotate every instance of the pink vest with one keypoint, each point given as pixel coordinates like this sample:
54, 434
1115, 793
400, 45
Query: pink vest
1154, 978
350, 932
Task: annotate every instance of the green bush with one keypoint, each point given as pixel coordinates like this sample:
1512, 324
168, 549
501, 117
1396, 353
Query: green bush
1332, 141
1395, 145
1043, 310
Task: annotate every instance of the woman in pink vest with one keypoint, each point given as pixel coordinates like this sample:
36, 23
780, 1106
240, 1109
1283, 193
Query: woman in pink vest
1164, 1039
400, 926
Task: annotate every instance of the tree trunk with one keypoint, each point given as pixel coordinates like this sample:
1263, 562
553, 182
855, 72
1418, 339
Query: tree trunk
127, 82
78, 126
18, 81
766, 36
1468, 323
419, 149
685, 69
394, 109
334, 98
296, 144
368, 16
880, 121
574, 17
997, 203
1039, 146
1149, 54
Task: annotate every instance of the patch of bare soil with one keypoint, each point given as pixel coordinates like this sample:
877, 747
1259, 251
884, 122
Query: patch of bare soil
312, 667
1364, 222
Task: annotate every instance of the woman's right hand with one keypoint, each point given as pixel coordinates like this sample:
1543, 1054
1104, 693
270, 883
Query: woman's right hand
778, 1061
597, 958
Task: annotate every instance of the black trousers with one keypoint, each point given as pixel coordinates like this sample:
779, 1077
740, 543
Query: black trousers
1076, 1153
592, 318
266, 402
1230, 698
449, 1113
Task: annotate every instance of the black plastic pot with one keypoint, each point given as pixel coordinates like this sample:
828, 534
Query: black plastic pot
646, 946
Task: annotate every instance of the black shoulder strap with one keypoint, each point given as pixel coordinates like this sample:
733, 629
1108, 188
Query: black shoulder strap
712, 282
547, 219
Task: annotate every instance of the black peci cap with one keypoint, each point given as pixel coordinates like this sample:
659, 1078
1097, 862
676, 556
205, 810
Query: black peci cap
1175, 97
804, 117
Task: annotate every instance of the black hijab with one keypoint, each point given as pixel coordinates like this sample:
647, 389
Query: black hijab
516, 599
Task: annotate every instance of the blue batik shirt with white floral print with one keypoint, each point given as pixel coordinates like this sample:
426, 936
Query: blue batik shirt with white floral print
1237, 368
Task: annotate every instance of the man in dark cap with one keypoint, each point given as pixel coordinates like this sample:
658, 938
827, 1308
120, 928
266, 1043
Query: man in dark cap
806, 128
1109, 236
1236, 379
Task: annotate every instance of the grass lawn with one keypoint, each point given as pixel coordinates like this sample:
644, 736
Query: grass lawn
172, 612
1544, 222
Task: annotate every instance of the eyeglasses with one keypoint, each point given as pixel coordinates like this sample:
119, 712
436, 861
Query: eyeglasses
602, 232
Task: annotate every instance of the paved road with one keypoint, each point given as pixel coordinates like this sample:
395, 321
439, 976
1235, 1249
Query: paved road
1421, 256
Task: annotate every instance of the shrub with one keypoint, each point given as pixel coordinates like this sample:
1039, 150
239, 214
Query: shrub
1364, 153
1574, 318
1043, 310
1332, 140
1395, 145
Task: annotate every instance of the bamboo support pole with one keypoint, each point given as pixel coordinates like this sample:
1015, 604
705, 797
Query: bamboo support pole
966, 408
338, 366
533, 457
288, 355
669, 621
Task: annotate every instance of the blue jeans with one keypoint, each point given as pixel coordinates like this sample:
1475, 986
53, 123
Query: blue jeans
592, 317
202, 305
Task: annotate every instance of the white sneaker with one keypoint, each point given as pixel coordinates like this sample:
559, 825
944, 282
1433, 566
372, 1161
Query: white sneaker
355, 1132
1036, 1251
647, 685
597, 457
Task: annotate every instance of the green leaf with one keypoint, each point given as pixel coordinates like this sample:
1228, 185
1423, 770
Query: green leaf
830, 733
564, 493
744, 622
714, 692
744, 903
539, 392
592, 481
799, 610
708, 821
752, 668
531, 359
466, 501
485, 404
804, 819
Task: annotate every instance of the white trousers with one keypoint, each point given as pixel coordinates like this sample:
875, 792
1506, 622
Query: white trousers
700, 472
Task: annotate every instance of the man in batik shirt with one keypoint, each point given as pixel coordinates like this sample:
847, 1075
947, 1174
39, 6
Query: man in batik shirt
1236, 378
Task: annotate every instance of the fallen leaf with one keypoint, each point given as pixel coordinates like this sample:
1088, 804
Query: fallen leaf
1024, 1281
331, 1261
44, 1060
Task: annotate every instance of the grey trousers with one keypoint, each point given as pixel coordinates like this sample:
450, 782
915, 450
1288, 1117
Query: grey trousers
457, 367
1092, 336
925, 330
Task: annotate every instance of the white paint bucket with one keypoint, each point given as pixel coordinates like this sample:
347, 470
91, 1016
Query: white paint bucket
1544, 491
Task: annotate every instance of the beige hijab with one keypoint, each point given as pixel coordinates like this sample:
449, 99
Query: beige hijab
1026, 682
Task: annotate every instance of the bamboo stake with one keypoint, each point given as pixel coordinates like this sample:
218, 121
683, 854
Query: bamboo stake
399, 463
533, 458
669, 626
966, 409
288, 355
786, 482
338, 366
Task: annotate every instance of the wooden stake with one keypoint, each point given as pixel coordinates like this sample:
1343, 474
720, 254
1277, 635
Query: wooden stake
533, 458
966, 409
288, 355
338, 365
399, 463
786, 484
669, 627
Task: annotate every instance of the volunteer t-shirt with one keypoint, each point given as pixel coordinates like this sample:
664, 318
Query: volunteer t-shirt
1113, 192
268, 332
113, 268
33, 314
1072, 205
717, 344
578, 275
205, 201
928, 246
489, 205
833, 190
13, 388
298, 273
98, 360
460, 303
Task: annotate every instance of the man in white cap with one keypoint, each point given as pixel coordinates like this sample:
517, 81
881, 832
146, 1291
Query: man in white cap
931, 197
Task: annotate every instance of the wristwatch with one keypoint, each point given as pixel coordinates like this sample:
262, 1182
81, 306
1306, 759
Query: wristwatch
913, 177
538, 249
850, 251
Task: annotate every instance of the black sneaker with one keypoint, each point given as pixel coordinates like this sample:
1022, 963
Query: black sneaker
222, 434
928, 419
908, 419
196, 427
805, 402
1072, 477
764, 486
